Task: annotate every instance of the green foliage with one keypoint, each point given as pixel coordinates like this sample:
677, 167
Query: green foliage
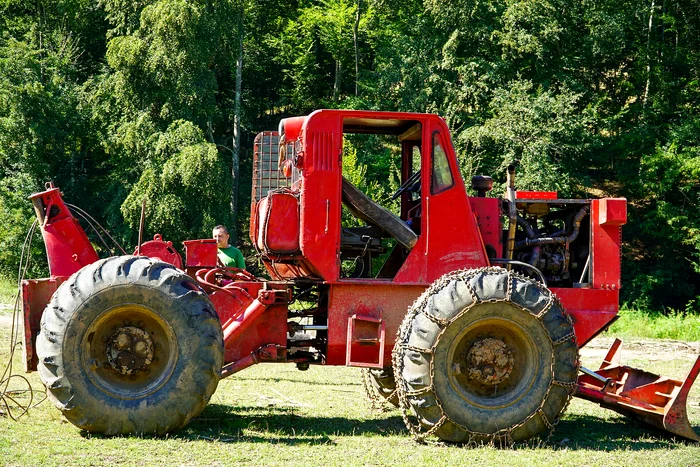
8, 291
677, 325
185, 187
538, 130
667, 225
116, 101
17, 220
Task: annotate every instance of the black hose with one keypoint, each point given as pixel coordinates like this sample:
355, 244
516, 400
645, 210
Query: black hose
556, 240
535, 257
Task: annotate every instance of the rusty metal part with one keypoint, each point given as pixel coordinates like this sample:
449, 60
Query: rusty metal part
380, 397
129, 350
266, 353
535, 257
650, 398
489, 362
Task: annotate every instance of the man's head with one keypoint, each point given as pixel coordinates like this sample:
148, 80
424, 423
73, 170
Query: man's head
220, 234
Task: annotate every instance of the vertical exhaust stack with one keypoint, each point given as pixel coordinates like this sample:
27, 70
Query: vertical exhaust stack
512, 213
67, 247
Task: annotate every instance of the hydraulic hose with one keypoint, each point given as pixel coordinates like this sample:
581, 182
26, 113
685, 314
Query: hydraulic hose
556, 240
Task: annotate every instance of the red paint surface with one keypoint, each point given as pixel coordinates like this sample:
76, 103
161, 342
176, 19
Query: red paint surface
201, 253
159, 249
278, 219
67, 247
36, 293
488, 218
379, 300
605, 242
549, 195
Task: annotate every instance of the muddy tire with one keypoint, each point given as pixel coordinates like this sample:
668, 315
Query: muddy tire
130, 345
484, 356
380, 383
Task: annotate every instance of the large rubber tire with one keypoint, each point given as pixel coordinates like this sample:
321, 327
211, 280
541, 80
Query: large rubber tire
130, 345
483, 356
380, 383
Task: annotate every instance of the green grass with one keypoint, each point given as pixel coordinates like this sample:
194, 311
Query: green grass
275, 415
639, 324
8, 291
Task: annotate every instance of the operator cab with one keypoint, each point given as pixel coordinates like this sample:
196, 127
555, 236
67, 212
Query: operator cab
363, 183
381, 196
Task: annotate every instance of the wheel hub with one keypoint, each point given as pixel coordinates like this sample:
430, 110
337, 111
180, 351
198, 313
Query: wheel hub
130, 350
489, 362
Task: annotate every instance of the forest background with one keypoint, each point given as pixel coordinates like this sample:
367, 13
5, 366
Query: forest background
120, 100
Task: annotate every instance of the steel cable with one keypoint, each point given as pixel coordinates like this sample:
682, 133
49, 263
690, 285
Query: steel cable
89, 219
13, 401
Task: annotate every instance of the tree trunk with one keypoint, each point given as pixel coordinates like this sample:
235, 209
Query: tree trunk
235, 153
357, 51
649, 28
338, 75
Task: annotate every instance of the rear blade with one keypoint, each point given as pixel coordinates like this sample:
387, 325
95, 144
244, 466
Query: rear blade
645, 396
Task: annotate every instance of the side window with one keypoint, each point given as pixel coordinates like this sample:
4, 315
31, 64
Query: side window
441, 177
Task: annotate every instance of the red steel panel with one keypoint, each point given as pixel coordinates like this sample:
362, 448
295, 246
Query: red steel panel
321, 193
591, 310
278, 218
67, 247
488, 218
536, 195
158, 249
36, 294
605, 242
453, 238
200, 253
369, 299
612, 211
268, 325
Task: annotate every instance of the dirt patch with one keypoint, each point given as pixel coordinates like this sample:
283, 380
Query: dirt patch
647, 349
5, 315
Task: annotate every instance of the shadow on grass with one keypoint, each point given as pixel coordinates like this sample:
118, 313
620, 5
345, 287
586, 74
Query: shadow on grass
282, 425
619, 433
276, 379
223, 423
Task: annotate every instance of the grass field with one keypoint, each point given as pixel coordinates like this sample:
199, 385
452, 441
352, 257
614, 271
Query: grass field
638, 324
274, 415
8, 291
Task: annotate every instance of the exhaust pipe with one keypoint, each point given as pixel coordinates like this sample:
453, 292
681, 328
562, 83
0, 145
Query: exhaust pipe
512, 214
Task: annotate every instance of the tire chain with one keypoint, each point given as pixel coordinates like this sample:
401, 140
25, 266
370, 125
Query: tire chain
376, 399
503, 437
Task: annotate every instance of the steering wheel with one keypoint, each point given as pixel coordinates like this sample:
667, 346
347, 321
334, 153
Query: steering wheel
409, 185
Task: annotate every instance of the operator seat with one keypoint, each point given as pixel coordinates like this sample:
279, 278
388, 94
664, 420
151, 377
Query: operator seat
373, 213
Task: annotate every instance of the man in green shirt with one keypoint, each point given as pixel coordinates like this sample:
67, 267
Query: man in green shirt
229, 256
